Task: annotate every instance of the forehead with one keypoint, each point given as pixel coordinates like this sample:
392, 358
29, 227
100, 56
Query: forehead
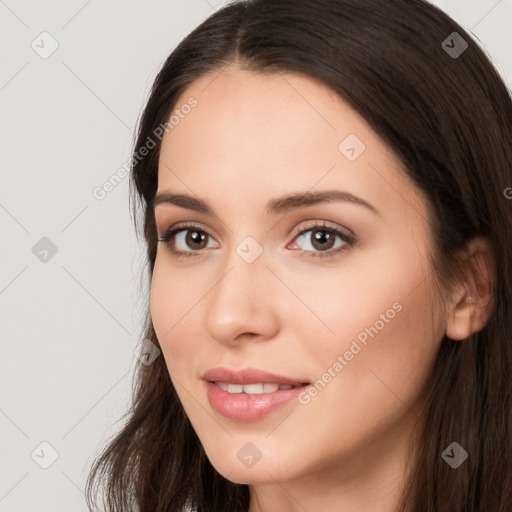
272, 133
265, 115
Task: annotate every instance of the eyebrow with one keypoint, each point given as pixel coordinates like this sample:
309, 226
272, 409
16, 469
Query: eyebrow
274, 207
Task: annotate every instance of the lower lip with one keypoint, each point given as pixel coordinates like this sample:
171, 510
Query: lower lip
245, 407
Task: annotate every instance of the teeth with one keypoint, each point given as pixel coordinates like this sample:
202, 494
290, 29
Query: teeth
252, 389
230, 388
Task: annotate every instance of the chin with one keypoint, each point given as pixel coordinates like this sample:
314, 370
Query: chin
248, 476
240, 471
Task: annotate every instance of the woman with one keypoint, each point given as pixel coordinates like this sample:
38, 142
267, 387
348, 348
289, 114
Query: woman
324, 195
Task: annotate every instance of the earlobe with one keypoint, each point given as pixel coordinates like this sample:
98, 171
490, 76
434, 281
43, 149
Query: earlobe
461, 322
473, 302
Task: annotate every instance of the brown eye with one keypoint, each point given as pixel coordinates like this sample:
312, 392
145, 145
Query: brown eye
320, 240
186, 240
195, 239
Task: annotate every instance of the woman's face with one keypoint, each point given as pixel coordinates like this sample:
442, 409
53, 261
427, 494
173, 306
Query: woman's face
275, 289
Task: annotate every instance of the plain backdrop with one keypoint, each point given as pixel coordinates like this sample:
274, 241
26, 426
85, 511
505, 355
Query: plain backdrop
74, 78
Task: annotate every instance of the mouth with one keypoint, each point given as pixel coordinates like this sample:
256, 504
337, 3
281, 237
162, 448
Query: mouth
249, 395
256, 388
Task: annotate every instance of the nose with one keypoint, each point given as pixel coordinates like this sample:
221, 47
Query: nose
243, 304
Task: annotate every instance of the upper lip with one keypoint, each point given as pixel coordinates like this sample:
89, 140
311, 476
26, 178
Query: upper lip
248, 376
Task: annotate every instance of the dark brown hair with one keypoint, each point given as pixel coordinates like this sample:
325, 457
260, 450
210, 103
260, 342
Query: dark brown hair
449, 120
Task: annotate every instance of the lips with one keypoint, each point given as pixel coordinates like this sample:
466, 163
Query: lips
250, 394
249, 376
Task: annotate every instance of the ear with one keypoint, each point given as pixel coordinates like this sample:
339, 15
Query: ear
472, 303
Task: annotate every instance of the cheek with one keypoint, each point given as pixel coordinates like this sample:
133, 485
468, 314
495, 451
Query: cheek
377, 381
171, 300
376, 292
378, 319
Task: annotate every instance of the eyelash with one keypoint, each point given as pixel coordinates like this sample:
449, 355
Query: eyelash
349, 240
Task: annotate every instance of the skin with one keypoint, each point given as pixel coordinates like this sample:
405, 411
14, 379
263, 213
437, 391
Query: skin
253, 137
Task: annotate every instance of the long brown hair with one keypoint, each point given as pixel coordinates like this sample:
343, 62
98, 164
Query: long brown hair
448, 117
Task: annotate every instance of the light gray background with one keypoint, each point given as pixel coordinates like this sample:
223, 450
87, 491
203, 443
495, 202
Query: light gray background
70, 325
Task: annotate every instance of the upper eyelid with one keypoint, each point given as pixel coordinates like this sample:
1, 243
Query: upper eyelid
184, 226
318, 224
